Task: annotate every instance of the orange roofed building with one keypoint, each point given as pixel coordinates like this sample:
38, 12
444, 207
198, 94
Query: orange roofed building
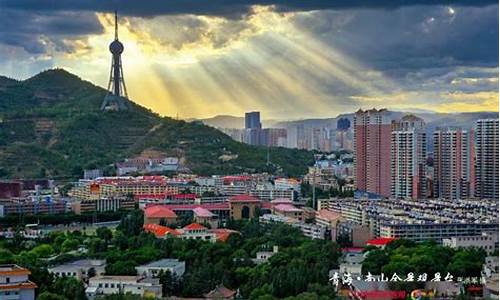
14, 283
159, 214
193, 231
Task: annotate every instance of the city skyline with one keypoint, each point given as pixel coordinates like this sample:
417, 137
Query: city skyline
210, 61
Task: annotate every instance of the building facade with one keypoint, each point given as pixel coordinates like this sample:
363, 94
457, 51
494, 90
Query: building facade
453, 163
14, 283
486, 172
408, 158
372, 151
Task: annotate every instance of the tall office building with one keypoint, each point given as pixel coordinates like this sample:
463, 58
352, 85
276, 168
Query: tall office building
252, 120
253, 128
453, 163
408, 158
343, 124
372, 151
486, 172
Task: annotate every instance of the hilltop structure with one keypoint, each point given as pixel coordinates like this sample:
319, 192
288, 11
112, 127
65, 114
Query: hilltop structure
117, 98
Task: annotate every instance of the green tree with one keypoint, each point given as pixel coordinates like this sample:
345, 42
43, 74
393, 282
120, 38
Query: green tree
104, 233
69, 245
69, 287
50, 296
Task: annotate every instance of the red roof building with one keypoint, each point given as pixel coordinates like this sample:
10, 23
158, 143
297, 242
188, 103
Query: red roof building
159, 211
194, 226
244, 198
159, 214
380, 242
160, 231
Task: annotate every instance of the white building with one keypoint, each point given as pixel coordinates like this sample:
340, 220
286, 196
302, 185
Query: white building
271, 194
137, 285
80, 269
14, 283
196, 231
174, 266
264, 256
351, 263
488, 241
287, 184
312, 231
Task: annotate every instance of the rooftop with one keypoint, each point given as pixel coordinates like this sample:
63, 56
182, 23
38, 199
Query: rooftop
194, 226
159, 230
287, 208
243, 198
380, 241
202, 212
12, 269
84, 263
159, 211
162, 263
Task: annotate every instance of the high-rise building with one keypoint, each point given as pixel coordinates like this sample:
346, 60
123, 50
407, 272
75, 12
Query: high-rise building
453, 163
343, 124
486, 172
253, 128
372, 151
408, 158
274, 137
252, 120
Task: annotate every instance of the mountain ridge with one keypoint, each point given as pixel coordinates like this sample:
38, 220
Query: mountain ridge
51, 126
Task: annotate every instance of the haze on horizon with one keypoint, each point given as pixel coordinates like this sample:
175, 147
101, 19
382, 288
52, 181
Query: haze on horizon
287, 59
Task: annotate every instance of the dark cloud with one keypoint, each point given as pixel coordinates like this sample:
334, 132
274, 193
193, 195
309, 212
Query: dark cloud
217, 7
35, 32
411, 38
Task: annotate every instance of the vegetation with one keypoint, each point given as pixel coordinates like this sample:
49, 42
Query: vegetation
54, 119
298, 271
301, 266
306, 190
403, 256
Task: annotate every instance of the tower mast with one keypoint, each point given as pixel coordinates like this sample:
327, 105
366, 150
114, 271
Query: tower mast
117, 91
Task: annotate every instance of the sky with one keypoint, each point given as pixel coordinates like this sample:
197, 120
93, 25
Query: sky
289, 59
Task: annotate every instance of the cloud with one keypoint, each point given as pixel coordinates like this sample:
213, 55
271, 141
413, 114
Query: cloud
37, 33
287, 59
227, 8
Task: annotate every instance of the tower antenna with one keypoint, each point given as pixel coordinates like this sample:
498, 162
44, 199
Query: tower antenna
116, 25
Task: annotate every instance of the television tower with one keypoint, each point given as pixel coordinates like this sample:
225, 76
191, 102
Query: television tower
117, 96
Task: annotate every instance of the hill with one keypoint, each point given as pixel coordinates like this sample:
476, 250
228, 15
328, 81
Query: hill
51, 125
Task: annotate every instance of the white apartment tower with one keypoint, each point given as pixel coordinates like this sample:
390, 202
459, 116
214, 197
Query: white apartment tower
408, 158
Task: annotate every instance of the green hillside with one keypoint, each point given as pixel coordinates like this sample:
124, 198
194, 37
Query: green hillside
51, 125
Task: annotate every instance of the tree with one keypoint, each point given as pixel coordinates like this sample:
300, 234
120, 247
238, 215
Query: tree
104, 233
131, 223
43, 250
69, 245
6, 256
70, 288
50, 296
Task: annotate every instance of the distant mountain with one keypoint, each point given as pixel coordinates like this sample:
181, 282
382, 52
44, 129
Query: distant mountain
51, 125
225, 121
464, 120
